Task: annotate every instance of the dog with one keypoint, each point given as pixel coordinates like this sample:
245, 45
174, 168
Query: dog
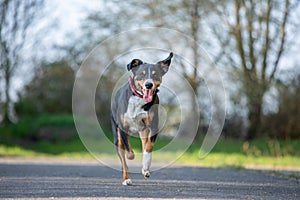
133, 110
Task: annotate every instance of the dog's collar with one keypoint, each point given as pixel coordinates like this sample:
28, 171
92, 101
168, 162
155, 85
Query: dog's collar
133, 90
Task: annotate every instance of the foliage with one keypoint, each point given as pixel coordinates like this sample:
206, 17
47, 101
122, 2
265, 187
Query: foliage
285, 124
31, 129
50, 91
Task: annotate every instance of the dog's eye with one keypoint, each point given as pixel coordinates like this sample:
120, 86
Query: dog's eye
140, 76
155, 77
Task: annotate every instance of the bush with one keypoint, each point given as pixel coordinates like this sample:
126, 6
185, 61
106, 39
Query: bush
39, 128
50, 91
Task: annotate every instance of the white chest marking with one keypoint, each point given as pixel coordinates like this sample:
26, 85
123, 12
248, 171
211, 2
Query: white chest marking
135, 114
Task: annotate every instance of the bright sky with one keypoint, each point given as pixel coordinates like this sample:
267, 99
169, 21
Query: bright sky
67, 17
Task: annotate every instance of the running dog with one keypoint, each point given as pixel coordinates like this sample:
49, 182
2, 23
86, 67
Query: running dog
133, 110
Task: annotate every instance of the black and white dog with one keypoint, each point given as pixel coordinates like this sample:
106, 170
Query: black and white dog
132, 111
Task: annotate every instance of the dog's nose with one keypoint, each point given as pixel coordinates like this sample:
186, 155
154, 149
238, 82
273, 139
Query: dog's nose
148, 85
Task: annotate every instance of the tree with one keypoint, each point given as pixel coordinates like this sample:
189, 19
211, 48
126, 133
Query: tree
284, 124
50, 91
16, 16
254, 43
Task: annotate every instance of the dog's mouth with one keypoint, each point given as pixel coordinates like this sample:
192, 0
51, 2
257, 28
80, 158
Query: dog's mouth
148, 95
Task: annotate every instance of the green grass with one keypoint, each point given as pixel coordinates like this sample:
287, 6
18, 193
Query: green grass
239, 154
28, 127
238, 160
233, 157
231, 153
16, 151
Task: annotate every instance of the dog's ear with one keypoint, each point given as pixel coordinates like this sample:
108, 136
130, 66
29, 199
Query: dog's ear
134, 63
164, 64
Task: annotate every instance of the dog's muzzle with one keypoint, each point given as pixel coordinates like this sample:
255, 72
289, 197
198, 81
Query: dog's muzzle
148, 84
148, 90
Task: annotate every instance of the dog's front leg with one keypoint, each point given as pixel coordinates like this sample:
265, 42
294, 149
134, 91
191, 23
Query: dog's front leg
147, 147
147, 158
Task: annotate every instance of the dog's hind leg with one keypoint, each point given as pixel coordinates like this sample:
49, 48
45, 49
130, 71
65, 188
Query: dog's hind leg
124, 138
121, 154
129, 152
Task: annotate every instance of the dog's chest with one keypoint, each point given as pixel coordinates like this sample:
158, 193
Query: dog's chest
135, 114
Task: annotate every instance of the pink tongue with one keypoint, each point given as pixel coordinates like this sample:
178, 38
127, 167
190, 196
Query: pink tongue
147, 95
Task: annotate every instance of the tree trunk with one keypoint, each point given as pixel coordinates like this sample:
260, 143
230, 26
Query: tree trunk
6, 118
254, 117
195, 21
255, 91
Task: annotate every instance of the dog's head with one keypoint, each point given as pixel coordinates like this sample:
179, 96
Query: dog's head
147, 77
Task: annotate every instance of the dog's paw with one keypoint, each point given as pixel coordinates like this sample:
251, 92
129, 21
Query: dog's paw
127, 182
130, 155
146, 173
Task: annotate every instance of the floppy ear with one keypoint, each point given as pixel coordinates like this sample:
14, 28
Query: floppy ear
134, 63
164, 64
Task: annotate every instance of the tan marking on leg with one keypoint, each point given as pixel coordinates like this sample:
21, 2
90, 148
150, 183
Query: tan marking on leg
144, 137
149, 146
130, 153
121, 154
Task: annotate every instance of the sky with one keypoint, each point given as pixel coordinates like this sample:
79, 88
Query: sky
66, 16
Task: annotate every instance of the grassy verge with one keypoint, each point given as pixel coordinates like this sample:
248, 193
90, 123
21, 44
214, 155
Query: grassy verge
55, 136
234, 153
220, 156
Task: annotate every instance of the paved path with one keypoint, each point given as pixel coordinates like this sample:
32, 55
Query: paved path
93, 181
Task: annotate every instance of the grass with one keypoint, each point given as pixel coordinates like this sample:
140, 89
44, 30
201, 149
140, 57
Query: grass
231, 153
234, 153
233, 157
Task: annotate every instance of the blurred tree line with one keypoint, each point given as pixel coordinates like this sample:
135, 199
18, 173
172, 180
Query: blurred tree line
16, 16
50, 91
248, 39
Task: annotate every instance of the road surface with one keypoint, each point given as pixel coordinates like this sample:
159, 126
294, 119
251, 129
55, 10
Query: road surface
95, 181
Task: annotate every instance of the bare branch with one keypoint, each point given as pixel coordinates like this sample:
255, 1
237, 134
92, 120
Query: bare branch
282, 38
238, 35
267, 41
223, 43
250, 15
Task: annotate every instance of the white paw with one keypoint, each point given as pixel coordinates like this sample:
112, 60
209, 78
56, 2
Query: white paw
127, 182
146, 173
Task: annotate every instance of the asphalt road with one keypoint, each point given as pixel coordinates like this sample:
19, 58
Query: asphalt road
93, 181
